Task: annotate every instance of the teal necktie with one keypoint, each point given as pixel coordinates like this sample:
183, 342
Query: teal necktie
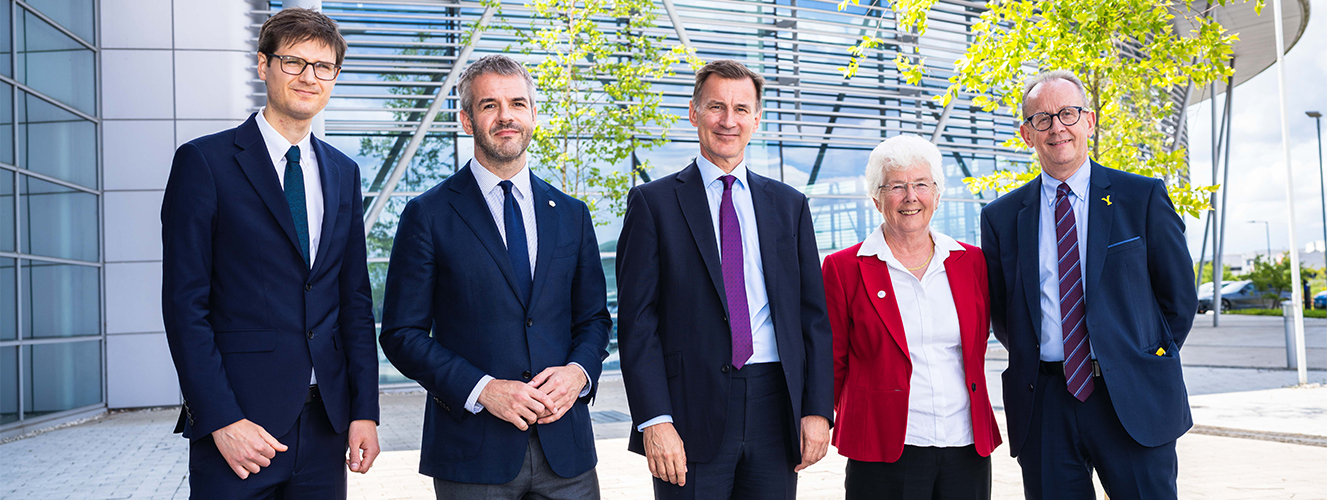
295, 198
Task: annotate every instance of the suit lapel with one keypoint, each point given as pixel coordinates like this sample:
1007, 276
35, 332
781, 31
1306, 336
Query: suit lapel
766, 221
1029, 227
330, 178
548, 225
696, 210
875, 277
257, 165
1100, 216
470, 206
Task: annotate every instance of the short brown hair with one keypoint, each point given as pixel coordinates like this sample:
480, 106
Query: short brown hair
732, 70
295, 25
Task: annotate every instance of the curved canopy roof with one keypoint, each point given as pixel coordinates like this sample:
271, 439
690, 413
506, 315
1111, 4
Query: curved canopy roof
1256, 49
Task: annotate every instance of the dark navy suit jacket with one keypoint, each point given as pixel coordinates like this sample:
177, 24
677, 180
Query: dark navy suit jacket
1140, 298
246, 319
673, 334
450, 274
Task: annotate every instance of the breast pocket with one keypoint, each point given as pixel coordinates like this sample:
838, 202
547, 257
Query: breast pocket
1125, 245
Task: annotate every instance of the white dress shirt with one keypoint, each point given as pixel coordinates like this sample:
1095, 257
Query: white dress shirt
277, 145
1048, 256
938, 401
495, 198
763, 346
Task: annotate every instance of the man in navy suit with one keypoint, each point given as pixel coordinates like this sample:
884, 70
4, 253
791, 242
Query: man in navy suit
265, 288
1092, 294
496, 304
725, 344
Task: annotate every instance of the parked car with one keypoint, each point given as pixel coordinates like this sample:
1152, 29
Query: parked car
1240, 295
1320, 300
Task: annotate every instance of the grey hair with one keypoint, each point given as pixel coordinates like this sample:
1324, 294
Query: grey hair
899, 153
1046, 76
490, 64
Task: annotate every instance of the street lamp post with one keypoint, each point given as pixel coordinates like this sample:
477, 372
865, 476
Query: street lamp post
1266, 229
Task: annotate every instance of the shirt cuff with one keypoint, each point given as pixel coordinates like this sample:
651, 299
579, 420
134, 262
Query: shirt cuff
588, 383
655, 421
472, 403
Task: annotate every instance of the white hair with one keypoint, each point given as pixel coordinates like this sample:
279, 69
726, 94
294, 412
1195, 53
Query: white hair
903, 152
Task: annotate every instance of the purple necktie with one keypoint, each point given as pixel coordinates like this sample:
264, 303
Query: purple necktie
1077, 368
734, 276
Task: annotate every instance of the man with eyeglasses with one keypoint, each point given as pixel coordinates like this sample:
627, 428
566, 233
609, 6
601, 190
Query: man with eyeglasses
1092, 294
265, 289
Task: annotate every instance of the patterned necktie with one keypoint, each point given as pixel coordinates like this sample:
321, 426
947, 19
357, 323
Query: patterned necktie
1073, 316
734, 276
299, 209
518, 249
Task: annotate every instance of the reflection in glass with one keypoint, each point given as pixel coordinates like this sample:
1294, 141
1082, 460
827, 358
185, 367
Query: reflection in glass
5, 46
383, 234
378, 283
61, 376
55, 64
74, 15
55, 142
58, 221
7, 122
8, 299
8, 384
7, 233
60, 300
387, 373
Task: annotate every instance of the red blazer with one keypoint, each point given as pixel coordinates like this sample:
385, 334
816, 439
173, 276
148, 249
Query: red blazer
871, 362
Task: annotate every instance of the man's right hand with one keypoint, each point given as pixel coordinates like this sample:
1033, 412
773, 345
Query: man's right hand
246, 446
516, 402
667, 457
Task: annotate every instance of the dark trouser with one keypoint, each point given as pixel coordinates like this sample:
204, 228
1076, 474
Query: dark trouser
1067, 439
922, 473
755, 459
536, 481
313, 467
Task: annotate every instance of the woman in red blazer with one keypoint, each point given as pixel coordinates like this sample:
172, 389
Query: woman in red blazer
910, 312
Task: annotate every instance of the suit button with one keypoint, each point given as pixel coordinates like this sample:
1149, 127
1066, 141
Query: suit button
529, 322
310, 334
1030, 387
724, 368
974, 387
308, 286
526, 375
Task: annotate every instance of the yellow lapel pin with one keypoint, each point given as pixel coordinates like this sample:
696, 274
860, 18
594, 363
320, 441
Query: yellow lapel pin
1161, 351
1107, 200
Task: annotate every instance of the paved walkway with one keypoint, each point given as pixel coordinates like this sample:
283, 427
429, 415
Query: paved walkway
1255, 438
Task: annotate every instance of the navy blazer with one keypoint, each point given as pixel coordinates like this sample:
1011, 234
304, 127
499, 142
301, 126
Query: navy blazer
673, 333
246, 319
1140, 298
450, 275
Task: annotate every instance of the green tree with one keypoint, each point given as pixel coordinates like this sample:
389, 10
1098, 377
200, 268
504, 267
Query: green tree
1226, 275
599, 106
1272, 279
1128, 53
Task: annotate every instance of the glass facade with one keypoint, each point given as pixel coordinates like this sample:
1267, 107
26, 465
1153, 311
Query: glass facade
51, 328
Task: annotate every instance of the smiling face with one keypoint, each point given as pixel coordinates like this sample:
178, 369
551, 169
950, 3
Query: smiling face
502, 121
725, 114
296, 98
907, 212
1060, 149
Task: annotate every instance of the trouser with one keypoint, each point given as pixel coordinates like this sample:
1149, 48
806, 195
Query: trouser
535, 481
922, 473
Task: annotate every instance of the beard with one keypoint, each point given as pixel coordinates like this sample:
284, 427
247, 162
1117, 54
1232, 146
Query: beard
504, 151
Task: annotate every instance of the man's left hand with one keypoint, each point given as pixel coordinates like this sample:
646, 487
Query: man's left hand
815, 440
563, 384
363, 445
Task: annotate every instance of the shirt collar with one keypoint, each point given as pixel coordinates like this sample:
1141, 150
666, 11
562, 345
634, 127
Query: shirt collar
488, 180
874, 246
277, 145
1078, 183
709, 172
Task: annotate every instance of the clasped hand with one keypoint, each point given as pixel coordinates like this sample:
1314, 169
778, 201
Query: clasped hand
544, 399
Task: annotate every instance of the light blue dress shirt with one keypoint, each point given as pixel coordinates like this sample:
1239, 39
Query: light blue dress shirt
1052, 334
764, 347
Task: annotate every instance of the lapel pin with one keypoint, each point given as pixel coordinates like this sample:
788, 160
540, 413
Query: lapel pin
880, 294
552, 203
1107, 200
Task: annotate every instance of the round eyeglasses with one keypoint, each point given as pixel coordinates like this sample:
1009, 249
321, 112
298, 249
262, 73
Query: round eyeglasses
899, 189
292, 65
1068, 116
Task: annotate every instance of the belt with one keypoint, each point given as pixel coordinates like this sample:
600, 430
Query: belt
313, 395
1057, 368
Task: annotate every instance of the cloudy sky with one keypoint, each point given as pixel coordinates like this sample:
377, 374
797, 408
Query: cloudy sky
1258, 175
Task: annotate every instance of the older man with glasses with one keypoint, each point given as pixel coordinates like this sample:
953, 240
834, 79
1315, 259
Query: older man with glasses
1092, 293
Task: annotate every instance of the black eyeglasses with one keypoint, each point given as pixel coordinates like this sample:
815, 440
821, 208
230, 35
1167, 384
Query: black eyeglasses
1069, 117
292, 65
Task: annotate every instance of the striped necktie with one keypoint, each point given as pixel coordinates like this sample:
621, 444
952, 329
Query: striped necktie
1073, 316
